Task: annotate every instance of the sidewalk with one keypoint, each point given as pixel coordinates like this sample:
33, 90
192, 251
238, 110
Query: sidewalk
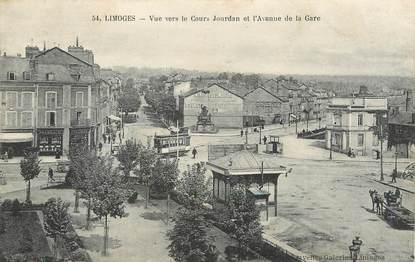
234, 132
402, 184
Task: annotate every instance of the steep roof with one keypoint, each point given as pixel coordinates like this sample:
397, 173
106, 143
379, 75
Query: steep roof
247, 163
15, 64
63, 51
263, 88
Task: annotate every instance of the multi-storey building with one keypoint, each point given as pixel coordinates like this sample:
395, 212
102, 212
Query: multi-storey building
350, 122
50, 99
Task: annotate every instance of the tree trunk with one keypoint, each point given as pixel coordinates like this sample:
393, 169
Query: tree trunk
28, 191
76, 208
105, 236
147, 195
168, 207
88, 214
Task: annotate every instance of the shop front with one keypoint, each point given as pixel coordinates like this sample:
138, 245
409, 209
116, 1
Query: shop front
50, 141
15, 143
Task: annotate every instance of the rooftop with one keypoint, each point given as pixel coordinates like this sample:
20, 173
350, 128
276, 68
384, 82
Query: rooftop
246, 163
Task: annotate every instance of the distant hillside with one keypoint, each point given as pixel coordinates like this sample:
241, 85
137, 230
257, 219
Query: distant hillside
339, 84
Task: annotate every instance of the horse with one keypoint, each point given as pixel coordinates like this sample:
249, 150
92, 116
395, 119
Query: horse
376, 199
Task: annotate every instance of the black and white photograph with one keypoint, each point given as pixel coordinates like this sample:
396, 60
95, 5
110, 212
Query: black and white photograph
207, 130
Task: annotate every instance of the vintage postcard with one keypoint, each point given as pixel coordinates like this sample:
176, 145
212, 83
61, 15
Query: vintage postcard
204, 131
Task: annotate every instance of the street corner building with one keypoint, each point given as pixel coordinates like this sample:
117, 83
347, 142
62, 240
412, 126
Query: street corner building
52, 99
351, 122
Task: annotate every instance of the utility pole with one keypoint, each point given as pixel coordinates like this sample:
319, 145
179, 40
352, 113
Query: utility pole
296, 121
331, 145
260, 134
177, 141
381, 152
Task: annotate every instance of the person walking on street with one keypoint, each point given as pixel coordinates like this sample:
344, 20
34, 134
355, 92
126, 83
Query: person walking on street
50, 174
394, 174
265, 140
194, 152
100, 146
104, 137
242, 132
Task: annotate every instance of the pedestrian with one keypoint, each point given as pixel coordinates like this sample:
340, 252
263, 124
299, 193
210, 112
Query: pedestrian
6, 156
50, 173
194, 152
265, 139
100, 146
242, 132
119, 136
58, 154
113, 138
104, 137
394, 175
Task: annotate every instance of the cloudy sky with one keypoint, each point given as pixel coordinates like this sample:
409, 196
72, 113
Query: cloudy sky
353, 37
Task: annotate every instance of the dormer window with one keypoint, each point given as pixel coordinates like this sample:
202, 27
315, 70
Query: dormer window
27, 75
76, 77
11, 76
50, 76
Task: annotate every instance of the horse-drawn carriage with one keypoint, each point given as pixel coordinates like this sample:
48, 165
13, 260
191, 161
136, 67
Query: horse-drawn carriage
390, 206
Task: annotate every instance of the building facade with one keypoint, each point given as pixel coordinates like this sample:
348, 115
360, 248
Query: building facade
225, 106
50, 99
260, 103
350, 122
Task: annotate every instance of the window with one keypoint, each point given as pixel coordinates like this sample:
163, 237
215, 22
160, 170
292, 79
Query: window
27, 75
79, 99
337, 119
76, 77
50, 118
375, 122
78, 116
51, 100
11, 99
360, 139
11, 119
50, 76
337, 139
27, 100
360, 119
11, 76
27, 119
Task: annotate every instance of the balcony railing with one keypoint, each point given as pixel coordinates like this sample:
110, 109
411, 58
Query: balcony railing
81, 122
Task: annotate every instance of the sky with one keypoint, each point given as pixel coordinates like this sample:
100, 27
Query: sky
354, 37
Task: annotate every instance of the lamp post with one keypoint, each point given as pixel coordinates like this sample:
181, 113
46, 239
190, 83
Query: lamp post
355, 248
331, 145
260, 135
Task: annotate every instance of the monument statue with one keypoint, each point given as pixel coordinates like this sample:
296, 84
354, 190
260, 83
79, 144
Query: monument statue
204, 121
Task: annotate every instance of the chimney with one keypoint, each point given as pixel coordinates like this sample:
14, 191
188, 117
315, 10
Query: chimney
32, 51
409, 100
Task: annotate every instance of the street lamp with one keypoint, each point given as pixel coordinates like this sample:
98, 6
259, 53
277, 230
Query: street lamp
355, 248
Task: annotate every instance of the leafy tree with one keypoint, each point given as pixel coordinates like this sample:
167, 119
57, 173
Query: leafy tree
29, 169
189, 241
129, 101
2, 225
145, 170
167, 178
223, 76
26, 242
82, 173
56, 221
168, 108
243, 219
109, 195
193, 187
128, 156
16, 207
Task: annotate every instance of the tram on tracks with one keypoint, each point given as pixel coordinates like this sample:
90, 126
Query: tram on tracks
170, 144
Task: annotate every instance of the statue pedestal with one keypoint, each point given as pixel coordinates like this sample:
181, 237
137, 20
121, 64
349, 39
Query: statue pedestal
207, 128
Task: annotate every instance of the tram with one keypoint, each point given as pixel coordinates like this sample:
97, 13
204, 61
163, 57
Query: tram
169, 144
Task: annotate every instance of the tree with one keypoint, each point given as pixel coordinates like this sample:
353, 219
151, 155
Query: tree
56, 221
2, 225
109, 195
129, 101
167, 178
193, 187
29, 169
223, 76
128, 156
189, 241
145, 170
82, 173
243, 219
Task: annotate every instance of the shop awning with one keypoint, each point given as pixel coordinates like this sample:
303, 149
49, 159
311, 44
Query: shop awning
115, 118
16, 137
